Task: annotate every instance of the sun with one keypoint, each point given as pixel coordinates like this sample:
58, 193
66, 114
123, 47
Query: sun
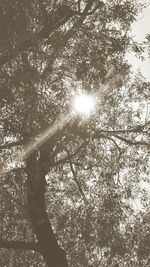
83, 104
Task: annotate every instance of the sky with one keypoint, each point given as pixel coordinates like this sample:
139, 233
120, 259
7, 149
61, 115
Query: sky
140, 29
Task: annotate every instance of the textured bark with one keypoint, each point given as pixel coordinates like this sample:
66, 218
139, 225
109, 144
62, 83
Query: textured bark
53, 255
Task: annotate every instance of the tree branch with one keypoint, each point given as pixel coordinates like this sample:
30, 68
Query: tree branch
130, 142
87, 7
74, 175
124, 139
138, 129
10, 145
111, 139
65, 159
79, 6
100, 5
19, 245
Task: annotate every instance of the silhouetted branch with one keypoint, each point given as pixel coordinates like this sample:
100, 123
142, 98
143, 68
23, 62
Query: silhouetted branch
111, 139
100, 5
10, 145
74, 175
79, 6
131, 142
19, 245
137, 129
65, 159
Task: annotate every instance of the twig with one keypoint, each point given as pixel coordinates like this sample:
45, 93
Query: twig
74, 175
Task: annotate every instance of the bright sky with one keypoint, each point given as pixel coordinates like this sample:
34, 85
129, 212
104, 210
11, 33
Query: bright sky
140, 29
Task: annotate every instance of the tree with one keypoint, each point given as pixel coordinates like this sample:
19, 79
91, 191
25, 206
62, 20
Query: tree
68, 196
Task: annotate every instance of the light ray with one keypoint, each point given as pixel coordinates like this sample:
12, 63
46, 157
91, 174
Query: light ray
50, 131
44, 136
33, 145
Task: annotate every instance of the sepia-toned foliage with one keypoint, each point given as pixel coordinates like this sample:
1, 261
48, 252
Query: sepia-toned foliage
72, 201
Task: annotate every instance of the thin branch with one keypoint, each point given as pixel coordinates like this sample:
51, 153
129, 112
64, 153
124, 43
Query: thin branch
130, 142
100, 5
87, 7
19, 245
76, 180
10, 145
109, 138
65, 159
138, 129
75, 176
79, 6
127, 141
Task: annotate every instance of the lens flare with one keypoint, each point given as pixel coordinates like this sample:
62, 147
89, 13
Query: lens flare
83, 104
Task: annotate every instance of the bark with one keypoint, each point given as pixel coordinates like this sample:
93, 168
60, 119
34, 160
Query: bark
53, 255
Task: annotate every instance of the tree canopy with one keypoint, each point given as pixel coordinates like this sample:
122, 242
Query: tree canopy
72, 200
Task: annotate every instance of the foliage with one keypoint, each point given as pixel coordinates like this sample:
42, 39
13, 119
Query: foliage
90, 171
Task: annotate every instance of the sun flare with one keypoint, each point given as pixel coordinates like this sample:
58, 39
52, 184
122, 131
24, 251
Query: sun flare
83, 104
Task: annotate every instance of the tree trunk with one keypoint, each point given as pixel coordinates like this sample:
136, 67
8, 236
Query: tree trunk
53, 255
